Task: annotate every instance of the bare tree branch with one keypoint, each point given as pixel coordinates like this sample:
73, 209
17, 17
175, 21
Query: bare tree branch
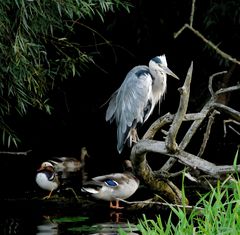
182, 109
231, 112
192, 13
202, 169
228, 121
201, 36
158, 180
210, 88
207, 133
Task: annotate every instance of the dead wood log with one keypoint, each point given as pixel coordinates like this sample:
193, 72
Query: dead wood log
159, 180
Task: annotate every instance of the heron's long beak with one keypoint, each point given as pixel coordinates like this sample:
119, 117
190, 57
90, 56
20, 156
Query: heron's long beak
169, 72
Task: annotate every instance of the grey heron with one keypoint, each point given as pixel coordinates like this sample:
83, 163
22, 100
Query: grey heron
134, 101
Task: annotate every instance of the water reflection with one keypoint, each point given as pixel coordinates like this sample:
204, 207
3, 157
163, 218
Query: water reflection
11, 225
59, 224
83, 225
114, 228
47, 229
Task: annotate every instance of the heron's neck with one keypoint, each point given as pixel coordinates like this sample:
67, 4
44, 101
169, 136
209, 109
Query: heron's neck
159, 85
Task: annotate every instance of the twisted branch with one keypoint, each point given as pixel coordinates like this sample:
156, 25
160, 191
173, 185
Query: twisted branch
157, 180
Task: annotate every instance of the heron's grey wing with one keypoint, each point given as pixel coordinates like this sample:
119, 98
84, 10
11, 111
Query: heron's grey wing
131, 102
111, 107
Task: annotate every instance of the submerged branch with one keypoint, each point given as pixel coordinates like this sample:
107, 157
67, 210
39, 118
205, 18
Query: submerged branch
163, 204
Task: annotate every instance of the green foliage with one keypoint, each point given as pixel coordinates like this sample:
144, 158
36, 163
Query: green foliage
74, 223
219, 214
70, 219
151, 227
37, 50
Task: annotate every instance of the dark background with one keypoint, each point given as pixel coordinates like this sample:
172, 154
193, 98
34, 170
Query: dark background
78, 117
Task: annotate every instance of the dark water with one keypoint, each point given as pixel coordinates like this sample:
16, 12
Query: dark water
20, 214
24, 218
60, 224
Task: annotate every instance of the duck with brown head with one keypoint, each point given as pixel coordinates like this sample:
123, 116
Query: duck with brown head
114, 186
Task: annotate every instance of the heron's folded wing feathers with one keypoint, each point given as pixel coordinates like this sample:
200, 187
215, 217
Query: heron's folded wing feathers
131, 100
110, 114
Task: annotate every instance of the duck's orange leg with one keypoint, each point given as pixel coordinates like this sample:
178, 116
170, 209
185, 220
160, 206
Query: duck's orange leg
115, 216
116, 206
49, 195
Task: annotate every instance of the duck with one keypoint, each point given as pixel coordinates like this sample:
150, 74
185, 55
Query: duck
47, 179
66, 165
113, 187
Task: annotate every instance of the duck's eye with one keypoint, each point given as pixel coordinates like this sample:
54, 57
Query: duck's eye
111, 183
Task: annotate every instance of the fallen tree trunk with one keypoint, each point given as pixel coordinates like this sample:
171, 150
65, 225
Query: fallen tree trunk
174, 152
